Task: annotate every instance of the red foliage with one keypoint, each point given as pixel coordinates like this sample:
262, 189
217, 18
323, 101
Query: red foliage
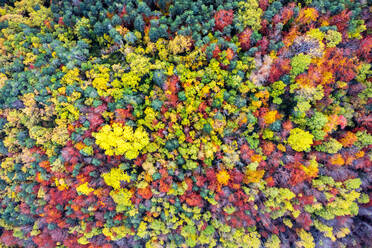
278, 69
341, 21
7, 238
239, 198
270, 181
236, 176
211, 179
45, 165
245, 152
297, 174
216, 52
95, 120
306, 200
107, 245
304, 219
266, 30
366, 121
287, 126
364, 163
263, 44
245, 39
194, 199
365, 48
123, 12
343, 67
342, 121
223, 18
200, 180
100, 109
189, 183
44, 240
140, 159
172, 85
52, 214
60, 21
70, 154
263, 4
164, 186
71, 241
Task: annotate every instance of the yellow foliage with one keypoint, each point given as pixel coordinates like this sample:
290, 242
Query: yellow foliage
272, 242
333, 38
71, 76
249, 14
252, 176
60, 135
179, 44
3, 78
100, 83
114, 177
223, 177
326, 230
343, 232
307, 240
270, 117
312, 169
116, 232
307, 15
61, 184
142, 229
84, 189
300, 140
36, 17
140, 65
130, 79
122, 199
316, 33
119, 140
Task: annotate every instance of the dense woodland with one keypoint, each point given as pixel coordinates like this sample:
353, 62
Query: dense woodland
179, 123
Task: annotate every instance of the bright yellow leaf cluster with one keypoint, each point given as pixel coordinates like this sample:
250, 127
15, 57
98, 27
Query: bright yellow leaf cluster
270, 117
300, 140
130, 79
117, 139
223, 177
114, 177
307, 240
84, 189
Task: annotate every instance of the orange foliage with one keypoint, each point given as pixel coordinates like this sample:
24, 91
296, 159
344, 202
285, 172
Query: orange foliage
146, 193
337, 159
45, 164
348, 140
256, 158
253, 176
288, 40
268, 148
332, 123
80, 146
359, 154
307, 15
223, 177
